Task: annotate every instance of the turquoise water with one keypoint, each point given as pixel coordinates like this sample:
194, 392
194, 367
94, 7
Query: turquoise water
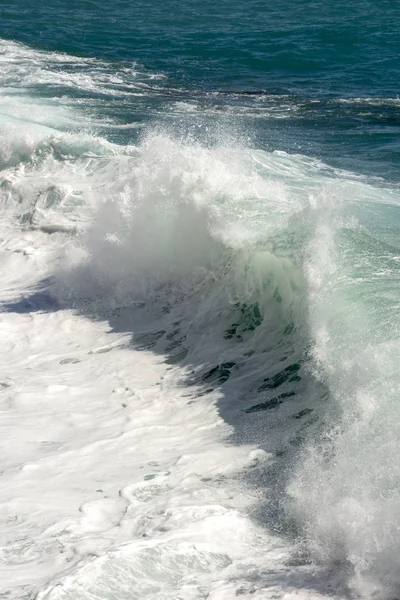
233, 168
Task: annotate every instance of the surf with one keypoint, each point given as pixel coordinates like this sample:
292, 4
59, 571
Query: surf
262, 285
274, 295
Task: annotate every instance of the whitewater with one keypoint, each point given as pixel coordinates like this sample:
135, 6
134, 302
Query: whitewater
199, 358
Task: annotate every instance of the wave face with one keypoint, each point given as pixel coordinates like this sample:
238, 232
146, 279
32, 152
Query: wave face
271, 278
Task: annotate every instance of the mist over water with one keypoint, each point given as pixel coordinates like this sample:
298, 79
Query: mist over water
242, 229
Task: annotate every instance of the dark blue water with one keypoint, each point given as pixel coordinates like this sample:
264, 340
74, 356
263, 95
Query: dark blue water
328, 70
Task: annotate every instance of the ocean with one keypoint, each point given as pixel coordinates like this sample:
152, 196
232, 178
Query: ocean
200, 268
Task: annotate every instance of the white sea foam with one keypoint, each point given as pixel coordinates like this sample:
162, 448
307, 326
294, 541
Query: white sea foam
29, 69
108, 458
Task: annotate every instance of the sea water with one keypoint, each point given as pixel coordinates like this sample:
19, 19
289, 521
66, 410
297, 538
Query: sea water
200, 268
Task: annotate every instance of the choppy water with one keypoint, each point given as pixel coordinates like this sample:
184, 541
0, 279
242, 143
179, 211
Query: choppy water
224, 177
